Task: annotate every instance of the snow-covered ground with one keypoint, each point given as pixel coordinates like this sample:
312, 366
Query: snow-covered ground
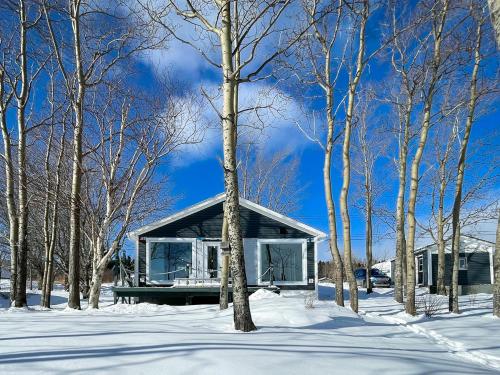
291, 339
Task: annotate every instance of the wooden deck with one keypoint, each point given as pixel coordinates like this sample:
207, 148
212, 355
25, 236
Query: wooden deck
177, 295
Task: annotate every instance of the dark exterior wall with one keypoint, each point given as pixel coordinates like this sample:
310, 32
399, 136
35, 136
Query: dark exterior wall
310, 262
426, 268
478, 271
207, 223
141, 261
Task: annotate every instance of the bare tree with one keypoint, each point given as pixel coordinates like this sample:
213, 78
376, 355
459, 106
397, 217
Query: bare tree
444, 142
405, 54
354, 78
115, 36
52, 204
324, 69
135, 136
20, 73
439, 12
457, 201
270, 180
369, 143
5, 99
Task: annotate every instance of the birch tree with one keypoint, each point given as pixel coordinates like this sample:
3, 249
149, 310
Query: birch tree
439, 13
369, 143
53, 196
102, 36
20, 73
257, 26
457, 201
319, 66
331, 54
354, 78
6, 96
135, 136
405, 55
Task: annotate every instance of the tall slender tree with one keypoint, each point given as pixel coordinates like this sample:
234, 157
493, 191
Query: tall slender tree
439, 13
457, 200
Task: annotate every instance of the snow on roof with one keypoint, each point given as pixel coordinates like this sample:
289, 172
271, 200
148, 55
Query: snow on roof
468, 244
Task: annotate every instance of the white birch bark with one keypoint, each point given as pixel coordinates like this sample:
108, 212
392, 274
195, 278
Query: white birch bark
9, 185
455, 247
346, 163
414, 174
76, 179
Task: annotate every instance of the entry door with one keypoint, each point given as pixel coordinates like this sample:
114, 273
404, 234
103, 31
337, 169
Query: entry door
212, 250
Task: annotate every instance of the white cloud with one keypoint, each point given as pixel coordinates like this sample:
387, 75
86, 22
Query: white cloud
268, 118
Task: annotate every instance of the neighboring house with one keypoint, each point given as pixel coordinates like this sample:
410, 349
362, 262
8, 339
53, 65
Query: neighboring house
475, 265
184, 250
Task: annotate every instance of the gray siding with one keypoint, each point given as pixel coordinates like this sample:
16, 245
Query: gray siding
207, 223
478, 271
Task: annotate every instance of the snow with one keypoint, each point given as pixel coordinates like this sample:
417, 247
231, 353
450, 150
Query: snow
291, 338
384, 266
472, 335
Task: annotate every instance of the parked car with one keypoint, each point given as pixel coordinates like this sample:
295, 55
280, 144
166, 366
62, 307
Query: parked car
377, 277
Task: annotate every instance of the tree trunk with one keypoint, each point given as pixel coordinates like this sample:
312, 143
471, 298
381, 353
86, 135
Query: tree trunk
9, 192
441, 289
95, 285
368, 243
224, 279
344, 208
52, 235
455, 245
400, 271
242, 316
414, 174
332, 221
410, 246
346, 162
496, 272
22, 99
74, 245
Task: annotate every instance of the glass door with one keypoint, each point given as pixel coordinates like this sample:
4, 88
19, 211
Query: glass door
212, 253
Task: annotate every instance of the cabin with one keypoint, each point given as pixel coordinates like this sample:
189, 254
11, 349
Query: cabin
475, 273
180, 256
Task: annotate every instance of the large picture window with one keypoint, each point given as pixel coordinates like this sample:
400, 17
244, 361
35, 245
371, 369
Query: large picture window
286, 259
167, 257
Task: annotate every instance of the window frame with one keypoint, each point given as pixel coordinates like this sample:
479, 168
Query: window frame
149, 240
278, 242
460, 267
420, 263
